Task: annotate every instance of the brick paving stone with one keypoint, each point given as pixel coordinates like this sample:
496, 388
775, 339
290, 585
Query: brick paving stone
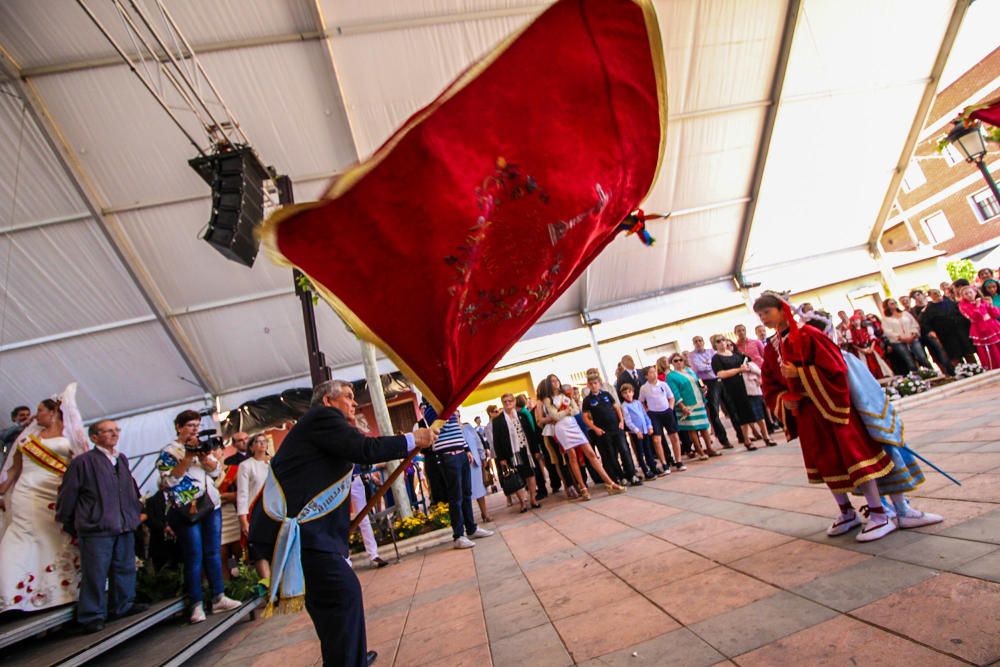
695, 530
620, 624
844, 641
449, 638
592, 592
679, 648
514, 617
985, 567
669, 566
540, 645
605, 541
623, 553
804, 500
956, 513
752, 626
300, 654
584, 526
794, 523
633, 511
426, 616
954, 614
797, 562
477, 656
983, 487
738, 543
708, 594
942, 553
863, 583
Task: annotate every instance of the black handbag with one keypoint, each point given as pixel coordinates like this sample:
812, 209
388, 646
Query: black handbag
191, 513
510, 480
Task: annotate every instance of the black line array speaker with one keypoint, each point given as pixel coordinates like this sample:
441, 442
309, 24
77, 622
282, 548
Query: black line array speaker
237, 179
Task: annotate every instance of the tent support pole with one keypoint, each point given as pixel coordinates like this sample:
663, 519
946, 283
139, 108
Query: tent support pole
381, 409
318, 370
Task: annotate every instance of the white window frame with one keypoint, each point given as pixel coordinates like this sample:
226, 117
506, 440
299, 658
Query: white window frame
951, 156
977, 211
930, 235
913, 177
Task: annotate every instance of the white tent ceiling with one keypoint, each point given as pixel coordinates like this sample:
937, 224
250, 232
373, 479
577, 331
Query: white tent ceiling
787, 121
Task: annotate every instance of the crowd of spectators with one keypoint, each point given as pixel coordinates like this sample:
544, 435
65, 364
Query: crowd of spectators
642, 424
955, 323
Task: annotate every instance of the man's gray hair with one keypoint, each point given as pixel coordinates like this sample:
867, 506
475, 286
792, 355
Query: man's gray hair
331, 388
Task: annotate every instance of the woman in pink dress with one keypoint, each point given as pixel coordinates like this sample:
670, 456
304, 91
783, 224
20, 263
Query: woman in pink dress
984, 330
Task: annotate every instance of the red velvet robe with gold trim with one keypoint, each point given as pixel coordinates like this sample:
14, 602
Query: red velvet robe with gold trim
836, 447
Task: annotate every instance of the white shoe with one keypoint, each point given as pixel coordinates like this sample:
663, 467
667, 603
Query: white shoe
482, 532
463, 542
915, 518
225, 604
875, 531
197, 614
844, 524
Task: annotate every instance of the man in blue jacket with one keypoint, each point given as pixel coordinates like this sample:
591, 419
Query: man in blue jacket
99, 504
303, 515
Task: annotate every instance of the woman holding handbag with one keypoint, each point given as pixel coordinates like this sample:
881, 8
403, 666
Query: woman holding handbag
511, 430
195, 516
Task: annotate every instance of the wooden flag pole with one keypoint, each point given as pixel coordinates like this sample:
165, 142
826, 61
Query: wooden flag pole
377, 496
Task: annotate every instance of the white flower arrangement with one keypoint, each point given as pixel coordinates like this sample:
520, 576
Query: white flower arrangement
909, 385
891, 393
967, 370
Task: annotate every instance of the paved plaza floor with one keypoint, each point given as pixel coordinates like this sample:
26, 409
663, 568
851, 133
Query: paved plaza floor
727, 563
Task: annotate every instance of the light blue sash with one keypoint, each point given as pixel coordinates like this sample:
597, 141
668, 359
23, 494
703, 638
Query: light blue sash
287, 586
868, 398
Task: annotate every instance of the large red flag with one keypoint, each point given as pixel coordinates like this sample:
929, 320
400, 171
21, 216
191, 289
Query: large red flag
988, 112
455, 236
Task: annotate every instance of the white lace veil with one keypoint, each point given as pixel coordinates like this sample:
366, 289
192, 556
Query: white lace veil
72, 429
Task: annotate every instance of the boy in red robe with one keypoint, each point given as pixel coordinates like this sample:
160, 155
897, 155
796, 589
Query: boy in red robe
805, 385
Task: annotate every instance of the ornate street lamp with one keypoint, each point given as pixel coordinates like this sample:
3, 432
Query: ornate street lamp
971, 143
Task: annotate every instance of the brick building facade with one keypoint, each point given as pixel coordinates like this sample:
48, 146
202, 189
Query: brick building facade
943, 201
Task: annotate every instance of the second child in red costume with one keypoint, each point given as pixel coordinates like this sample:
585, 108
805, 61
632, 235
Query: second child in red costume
867, 347
805, 385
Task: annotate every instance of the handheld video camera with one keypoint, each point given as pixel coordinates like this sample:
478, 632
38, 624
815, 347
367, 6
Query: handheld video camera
207, 441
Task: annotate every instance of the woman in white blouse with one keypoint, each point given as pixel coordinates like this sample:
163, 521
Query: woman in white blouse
250, 477
903, 332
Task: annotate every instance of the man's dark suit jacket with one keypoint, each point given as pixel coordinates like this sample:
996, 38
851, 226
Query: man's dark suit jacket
503, 448
320, 449
625, 377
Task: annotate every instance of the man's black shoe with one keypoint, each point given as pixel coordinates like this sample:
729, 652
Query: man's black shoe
541, 495
92, 627
378, 562
372, 656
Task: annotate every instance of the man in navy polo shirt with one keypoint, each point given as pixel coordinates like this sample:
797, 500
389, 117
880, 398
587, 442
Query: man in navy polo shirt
605, 419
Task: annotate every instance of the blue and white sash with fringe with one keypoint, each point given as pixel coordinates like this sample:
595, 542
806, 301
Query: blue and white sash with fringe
869, 399
287, 586
884, 425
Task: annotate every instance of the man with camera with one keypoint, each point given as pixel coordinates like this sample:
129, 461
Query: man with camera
189, 471
303, 517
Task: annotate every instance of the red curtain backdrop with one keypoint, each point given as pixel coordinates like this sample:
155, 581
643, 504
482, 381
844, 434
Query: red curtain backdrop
468, 223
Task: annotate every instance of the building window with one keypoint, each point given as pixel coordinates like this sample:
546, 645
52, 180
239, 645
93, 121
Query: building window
986, 205
913, 178
937, 228
951, 156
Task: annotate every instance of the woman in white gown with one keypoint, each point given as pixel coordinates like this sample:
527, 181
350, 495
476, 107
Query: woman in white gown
570, 436
39, 565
